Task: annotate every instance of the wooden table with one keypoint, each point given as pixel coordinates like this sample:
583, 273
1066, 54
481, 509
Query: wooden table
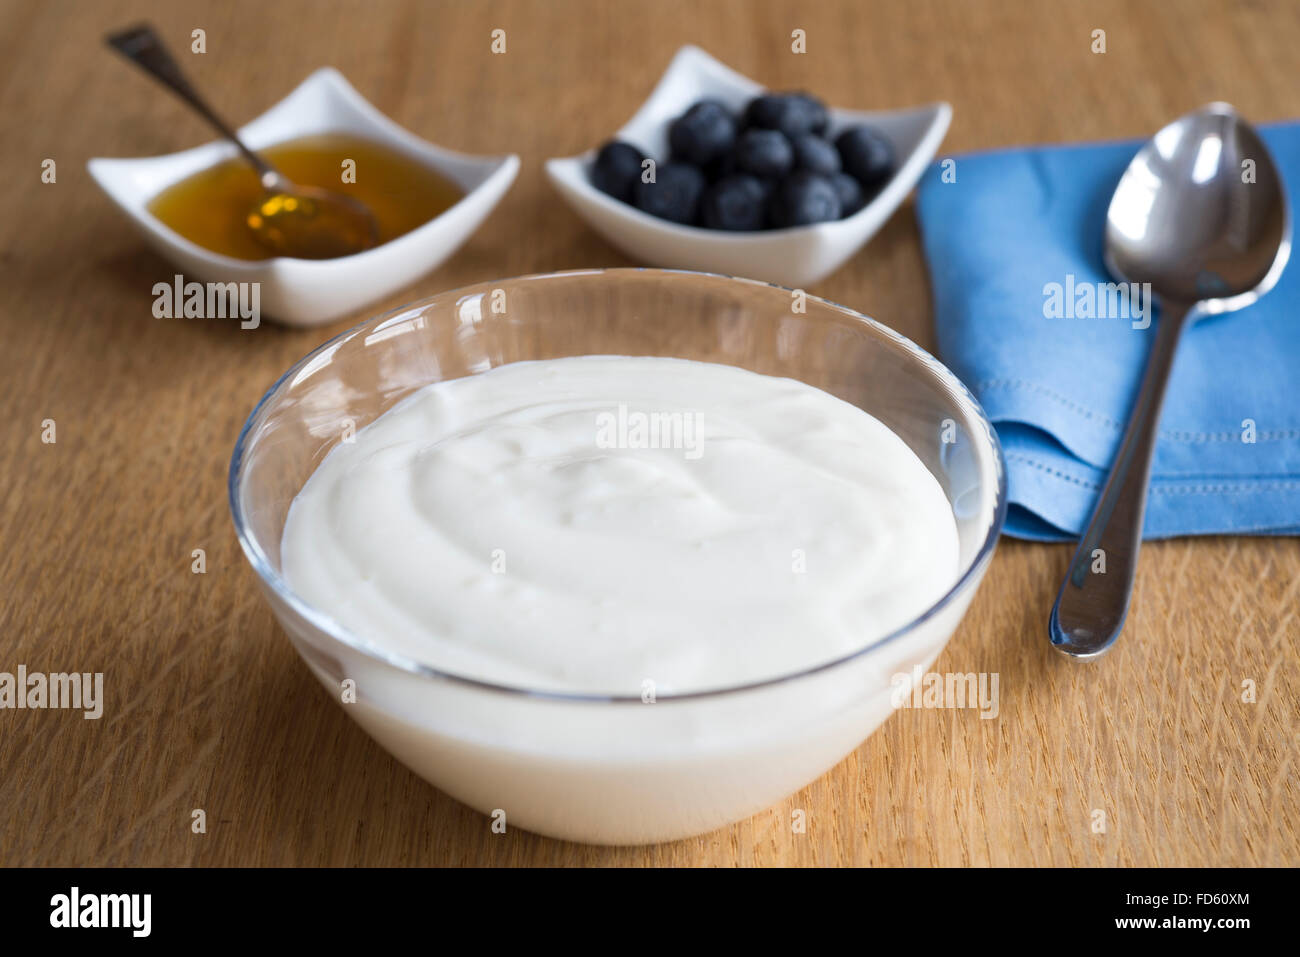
206, 704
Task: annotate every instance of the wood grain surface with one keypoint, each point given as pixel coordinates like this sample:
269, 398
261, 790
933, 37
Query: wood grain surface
207, 705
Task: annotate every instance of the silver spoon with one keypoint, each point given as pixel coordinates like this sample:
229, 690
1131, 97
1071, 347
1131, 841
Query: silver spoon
1201, 215
290, 219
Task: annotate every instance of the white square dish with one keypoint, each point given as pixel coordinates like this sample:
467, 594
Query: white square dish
301, 292
791, 257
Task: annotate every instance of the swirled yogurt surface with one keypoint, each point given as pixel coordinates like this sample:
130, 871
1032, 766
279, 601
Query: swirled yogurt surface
608, 524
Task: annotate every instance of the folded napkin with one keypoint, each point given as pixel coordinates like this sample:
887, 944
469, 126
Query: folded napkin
1011, 244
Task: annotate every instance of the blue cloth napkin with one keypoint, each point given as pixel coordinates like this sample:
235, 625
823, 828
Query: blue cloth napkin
1058, 390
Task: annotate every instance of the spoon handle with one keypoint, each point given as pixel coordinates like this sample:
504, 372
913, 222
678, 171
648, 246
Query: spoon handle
142, 46
1094, 597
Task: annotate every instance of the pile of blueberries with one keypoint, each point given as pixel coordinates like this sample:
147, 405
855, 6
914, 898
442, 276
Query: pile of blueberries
771, 168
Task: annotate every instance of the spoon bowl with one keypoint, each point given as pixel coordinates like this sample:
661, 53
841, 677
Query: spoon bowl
1200, 217
1199, 214
310, 223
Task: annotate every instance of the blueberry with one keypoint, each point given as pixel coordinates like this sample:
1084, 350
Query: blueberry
764, 111
850, 193
702, 133
815, 154
792, 113
735, 203
721, 167
765, 153
867, 156
674, 195
617, 168
803, 198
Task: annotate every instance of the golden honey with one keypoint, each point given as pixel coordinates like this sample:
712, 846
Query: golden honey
211, 207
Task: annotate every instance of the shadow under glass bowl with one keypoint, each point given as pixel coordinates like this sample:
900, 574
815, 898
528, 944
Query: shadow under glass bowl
598, 768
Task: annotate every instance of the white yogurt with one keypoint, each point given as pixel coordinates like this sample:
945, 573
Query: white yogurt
616, 525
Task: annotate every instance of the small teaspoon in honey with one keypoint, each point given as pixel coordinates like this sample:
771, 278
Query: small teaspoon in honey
289, 220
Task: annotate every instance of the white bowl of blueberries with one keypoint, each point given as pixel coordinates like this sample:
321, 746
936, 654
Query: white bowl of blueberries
717, 174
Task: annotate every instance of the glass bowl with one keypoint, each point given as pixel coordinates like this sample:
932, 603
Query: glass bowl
596, 768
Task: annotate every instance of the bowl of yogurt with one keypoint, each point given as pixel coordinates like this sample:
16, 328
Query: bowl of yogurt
618, 556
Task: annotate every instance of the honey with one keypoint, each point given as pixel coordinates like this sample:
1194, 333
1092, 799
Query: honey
211, 207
